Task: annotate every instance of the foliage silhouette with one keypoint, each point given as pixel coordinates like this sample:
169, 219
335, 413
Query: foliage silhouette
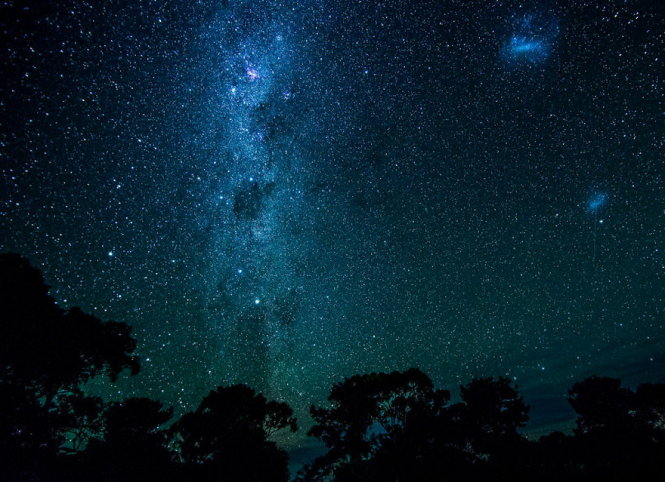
365, 410
377, 427
227, 436
133, 445
45, 354
48, 348
620, 434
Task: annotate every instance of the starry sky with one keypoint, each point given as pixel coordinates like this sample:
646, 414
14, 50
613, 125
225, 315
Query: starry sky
284, 193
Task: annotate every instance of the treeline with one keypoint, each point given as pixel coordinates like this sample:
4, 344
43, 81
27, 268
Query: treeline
376, 427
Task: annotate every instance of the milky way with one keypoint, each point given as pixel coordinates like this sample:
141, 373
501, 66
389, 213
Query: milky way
286, 193
255, 287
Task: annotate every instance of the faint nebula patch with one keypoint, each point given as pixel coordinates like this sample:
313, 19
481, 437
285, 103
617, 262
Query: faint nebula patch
531, 40
596, 202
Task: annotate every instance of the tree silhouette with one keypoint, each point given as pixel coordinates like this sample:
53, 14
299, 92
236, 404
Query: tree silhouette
619, 431
488, 419
45, 354
377, 427
398, 427
134, 446
227, 436
48, 348
366, 412
600, 402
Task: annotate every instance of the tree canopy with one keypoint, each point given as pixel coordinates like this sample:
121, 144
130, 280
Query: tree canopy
46, 353
397, 427
227, 435
375, 427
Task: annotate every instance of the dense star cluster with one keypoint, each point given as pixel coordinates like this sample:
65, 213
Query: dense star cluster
284, 193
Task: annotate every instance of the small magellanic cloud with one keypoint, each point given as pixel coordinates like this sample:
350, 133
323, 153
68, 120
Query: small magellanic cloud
596, 202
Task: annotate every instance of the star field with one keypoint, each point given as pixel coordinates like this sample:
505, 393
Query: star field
286, 193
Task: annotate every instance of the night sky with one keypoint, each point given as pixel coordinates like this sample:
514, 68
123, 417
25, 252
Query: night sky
286, 193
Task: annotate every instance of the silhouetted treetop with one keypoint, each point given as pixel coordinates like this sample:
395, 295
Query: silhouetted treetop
46, 353
48, 348
135, 419
366, 409
228, 435
493, 406
378, 427
602, 403
649, 405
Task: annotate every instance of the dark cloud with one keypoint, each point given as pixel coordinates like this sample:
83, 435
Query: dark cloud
250, 199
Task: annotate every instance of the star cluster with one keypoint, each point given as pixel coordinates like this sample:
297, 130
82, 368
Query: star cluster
284, 193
